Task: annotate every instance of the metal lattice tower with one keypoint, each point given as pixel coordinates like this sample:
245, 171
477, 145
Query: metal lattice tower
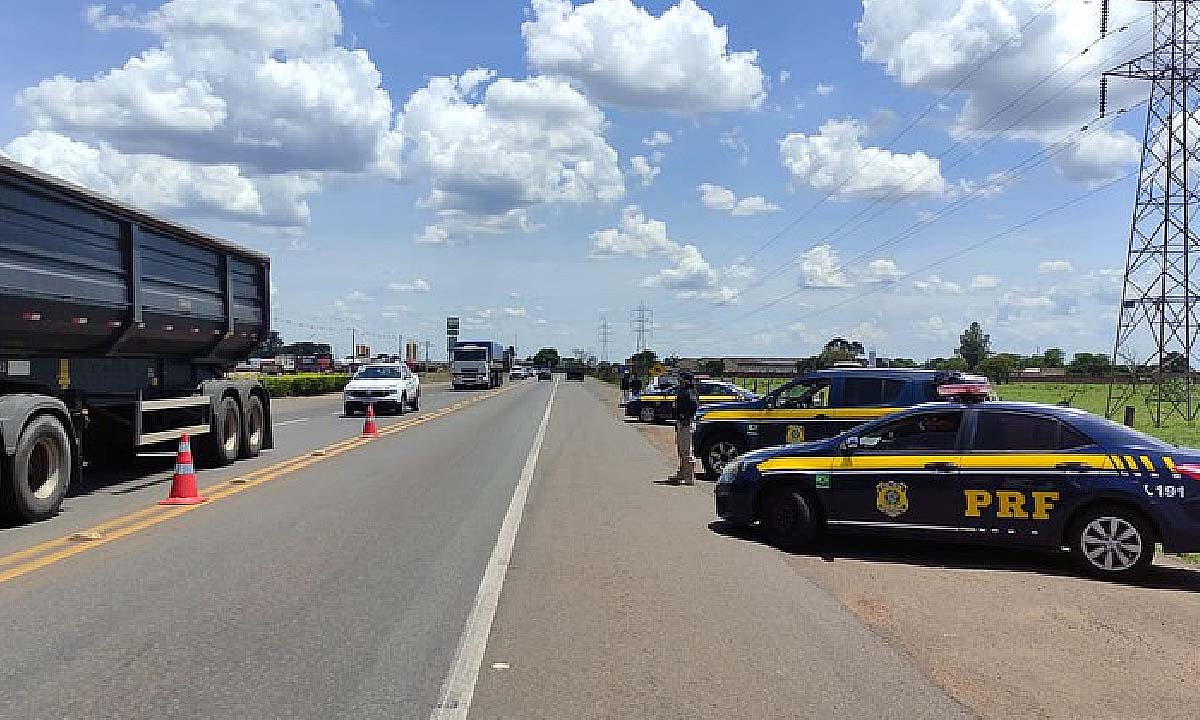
1157, 322
642, 319
603, 335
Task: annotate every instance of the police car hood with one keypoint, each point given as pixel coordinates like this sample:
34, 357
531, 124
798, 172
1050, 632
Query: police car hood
821, 448
755, 404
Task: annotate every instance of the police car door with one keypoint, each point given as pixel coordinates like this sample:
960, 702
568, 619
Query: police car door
1021, 467
904, 474
799, 413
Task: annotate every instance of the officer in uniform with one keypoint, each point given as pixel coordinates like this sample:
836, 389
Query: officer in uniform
687, 401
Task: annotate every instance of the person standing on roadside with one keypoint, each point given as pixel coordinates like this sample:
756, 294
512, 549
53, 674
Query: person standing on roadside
625, 383
687, 401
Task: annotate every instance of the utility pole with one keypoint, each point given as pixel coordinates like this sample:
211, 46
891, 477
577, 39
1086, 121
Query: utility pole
642, 317
605, 331
1160, 296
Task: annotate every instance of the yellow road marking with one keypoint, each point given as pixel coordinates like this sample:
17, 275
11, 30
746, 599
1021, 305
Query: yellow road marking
35, 557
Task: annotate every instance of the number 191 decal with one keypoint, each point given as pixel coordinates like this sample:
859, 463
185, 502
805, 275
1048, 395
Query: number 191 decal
1164, 491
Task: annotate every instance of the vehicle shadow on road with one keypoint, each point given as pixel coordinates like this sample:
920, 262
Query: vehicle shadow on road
138, 474
929, 553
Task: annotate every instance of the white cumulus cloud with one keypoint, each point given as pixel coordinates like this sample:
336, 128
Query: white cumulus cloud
882, 270
622, 55
1055, 266
835, 160
492, 149
717, 197
658, 138
640, 166
259, 92
985, 282
821, 268
935, 284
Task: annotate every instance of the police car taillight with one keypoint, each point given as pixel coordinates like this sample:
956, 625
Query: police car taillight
974, 390
1189, 471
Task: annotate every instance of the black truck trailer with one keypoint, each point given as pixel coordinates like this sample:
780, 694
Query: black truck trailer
117, 329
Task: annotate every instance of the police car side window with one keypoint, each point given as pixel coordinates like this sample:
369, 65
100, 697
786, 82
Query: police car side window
1072, 438
871, 392
923, 432
1015, 431
805, 395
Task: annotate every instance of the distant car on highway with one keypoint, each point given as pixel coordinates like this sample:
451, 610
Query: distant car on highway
575, 372
998, 473
814, 406
544, 374
518, 373
388, 386
658, 405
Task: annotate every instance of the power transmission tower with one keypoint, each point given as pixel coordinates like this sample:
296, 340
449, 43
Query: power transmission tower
603, 335
1159, 299
642, 318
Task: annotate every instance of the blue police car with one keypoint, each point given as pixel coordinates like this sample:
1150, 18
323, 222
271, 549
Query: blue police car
974, 470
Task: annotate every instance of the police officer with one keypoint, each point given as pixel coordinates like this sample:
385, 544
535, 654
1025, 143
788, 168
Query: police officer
625, 380
635, 385
687, 401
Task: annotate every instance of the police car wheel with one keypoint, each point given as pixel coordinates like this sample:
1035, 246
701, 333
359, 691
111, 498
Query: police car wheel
646, 414
1112, 542
789, 518
719, 453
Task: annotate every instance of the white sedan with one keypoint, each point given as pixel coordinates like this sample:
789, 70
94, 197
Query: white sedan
388, 386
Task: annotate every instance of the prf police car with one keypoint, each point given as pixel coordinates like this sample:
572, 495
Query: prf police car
659, 405
814, 406
1005, 473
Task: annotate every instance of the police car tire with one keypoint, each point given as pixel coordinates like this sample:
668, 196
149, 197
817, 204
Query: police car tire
789, 518
725, 437
1132, 518
647, 414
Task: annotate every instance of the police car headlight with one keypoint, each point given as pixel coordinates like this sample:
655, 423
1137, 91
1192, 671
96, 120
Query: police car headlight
730, 473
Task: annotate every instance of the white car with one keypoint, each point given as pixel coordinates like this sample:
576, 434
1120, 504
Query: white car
518, 373
388, 386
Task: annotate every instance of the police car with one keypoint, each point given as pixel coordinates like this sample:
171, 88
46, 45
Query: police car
1006, 473
658, 405
816, 405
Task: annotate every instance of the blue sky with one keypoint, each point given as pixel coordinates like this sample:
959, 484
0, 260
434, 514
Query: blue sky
393, 184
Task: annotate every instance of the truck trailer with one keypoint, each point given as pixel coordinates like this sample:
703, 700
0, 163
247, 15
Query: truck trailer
116, 331
478, 363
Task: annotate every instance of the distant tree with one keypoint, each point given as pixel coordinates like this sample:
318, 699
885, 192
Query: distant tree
546, 357
954, 364
712, 367
1053, 358
642, 362
974, 345
998, 368
1089, 364
808, 364
270, 346
1175, 362
306, 348
840, 346
903, 363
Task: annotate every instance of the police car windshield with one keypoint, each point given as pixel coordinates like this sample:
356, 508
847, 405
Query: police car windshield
377, 373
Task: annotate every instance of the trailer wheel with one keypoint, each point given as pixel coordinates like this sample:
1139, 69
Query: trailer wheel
221, 445
41, 470
255, 427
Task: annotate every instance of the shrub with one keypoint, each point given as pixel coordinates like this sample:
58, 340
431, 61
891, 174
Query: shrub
304, 384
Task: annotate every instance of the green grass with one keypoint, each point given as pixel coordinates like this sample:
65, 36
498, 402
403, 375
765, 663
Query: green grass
1093, 398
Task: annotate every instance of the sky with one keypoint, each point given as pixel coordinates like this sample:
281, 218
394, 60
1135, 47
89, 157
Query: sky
762, 176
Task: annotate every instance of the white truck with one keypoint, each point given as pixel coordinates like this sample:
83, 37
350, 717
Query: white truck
478, 363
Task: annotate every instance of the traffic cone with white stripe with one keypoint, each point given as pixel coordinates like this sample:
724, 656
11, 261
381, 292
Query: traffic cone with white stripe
184, 490
370, 430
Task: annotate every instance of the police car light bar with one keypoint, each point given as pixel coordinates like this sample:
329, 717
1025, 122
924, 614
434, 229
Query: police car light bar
1189, 470
980, 388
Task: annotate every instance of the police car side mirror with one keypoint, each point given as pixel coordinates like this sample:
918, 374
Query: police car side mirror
850, 445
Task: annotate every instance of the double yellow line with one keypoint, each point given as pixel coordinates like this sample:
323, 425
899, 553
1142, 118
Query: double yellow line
33, 558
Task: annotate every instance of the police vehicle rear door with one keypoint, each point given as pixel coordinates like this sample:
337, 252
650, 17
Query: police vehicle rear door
903, 474
1020, 472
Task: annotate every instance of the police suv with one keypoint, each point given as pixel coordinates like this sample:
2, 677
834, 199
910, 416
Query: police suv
816, 405
1004, 473
658, 405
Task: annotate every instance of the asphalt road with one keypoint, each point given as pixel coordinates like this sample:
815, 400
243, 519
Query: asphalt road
369, 582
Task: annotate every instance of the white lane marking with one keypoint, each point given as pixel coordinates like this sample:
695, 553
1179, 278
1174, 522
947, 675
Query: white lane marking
290, 422
454, 702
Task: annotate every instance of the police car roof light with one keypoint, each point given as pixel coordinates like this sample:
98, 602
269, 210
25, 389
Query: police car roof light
965, 390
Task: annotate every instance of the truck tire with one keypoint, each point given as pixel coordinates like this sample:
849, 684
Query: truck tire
403, 406
220, 445
256, 429
41, 471
416, 403
1112, 541
718, 450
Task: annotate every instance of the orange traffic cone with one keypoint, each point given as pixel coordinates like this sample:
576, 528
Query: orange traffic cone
369, 428
183, 488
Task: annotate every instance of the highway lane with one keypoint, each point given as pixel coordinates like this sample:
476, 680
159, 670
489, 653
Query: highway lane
301, 425
339, 590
